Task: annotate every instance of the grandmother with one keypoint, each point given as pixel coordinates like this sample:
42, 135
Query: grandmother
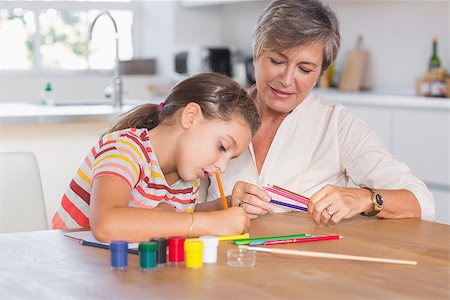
309, 145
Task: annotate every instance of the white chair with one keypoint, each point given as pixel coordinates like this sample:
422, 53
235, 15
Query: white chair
22, 206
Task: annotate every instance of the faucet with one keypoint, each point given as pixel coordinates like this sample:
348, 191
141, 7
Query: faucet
117, 81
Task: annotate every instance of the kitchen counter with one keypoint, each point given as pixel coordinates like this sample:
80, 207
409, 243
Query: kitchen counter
26, 113
383, 100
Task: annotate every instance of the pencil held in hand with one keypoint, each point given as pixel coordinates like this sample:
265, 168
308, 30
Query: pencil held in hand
222, 194
285, 194
288, 205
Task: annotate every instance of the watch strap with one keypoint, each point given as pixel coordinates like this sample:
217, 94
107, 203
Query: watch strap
374, 211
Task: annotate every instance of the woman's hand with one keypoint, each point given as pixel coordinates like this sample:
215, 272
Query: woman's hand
332, 204
253, 199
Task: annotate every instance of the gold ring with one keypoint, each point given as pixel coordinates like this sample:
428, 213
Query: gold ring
328, 212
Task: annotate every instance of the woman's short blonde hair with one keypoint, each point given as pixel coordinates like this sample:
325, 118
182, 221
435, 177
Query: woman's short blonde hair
285, 24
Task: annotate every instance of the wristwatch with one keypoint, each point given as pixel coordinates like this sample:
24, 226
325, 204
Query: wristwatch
377, 201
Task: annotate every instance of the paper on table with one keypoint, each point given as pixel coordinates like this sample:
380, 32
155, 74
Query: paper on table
89, 237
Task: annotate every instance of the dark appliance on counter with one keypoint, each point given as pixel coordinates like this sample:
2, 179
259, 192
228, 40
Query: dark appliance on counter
143, 66
250, 71
204, 59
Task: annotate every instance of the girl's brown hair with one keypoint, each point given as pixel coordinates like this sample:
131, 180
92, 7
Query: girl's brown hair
217, 95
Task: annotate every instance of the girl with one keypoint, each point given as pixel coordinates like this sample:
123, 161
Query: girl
142, 178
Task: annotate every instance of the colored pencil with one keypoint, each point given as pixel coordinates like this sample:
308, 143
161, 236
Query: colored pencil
234, 237
288, 205
103, 246
229, 237
329, 255
287, 195
222, 194
302, 240
269, 238
275, 187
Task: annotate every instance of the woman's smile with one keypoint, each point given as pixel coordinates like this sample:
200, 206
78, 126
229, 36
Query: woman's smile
280, 93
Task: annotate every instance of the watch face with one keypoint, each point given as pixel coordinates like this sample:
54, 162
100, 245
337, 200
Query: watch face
379, 199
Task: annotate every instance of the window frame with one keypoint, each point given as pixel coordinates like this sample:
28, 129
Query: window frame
38, 5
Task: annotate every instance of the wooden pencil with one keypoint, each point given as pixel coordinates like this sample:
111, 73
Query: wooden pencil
303, 240
330, 255
275, 187
222, 194
288, 205
287, 195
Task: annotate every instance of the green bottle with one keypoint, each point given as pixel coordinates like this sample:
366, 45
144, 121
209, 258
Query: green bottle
435, 62
47, 95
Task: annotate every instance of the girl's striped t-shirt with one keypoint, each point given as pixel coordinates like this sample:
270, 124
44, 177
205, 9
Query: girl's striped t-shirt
126, 154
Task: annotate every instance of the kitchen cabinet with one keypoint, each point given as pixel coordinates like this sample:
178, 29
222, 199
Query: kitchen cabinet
422, 139
415, 130
442, 197
379, 119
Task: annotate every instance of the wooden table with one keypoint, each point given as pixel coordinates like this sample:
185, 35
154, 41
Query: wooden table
48, 265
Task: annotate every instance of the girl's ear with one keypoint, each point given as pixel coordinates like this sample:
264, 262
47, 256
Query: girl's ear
191, 113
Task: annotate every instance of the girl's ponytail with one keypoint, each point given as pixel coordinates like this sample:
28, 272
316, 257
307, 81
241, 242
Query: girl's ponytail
143, 116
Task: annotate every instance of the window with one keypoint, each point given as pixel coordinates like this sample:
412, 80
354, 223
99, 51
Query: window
54, 35
17, 28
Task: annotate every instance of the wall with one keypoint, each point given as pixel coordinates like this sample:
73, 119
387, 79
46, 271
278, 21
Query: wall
238, 21
168, 26
398, 35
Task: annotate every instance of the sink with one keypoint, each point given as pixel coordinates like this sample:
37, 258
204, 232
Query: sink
96, 102
78, 103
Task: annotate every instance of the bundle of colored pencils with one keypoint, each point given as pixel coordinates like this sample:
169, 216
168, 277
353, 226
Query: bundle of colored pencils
286, 239
286, 198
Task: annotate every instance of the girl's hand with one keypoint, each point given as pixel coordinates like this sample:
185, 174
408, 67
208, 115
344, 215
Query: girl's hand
233, 220
332, 204
253, 199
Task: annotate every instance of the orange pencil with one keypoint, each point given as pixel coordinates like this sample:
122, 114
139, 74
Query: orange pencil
222, 194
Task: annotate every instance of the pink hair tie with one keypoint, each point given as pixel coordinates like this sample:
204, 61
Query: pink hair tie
161, 106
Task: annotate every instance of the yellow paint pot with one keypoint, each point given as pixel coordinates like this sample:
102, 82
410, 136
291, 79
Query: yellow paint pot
193, 253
